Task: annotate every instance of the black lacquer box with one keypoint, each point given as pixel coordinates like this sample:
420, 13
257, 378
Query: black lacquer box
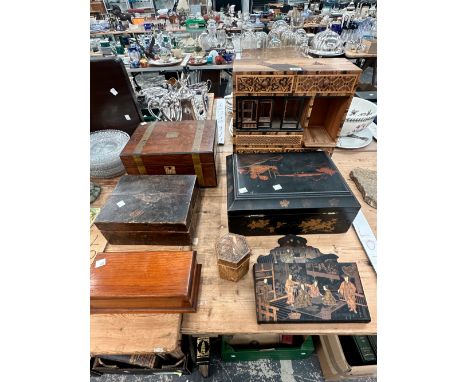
287, 193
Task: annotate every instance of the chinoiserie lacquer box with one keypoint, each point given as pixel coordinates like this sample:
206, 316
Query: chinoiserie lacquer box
287, 193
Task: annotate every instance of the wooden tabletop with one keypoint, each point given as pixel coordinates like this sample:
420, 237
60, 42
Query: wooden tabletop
226, 307
134, 333
350, 54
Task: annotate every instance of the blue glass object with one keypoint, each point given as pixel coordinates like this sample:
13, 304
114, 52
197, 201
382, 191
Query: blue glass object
335, 27
135, 56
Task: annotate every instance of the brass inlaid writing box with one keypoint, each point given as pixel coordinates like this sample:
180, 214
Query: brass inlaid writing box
174, 148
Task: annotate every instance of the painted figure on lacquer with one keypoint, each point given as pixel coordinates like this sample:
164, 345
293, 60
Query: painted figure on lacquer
314, 290
348, 291
303, 299
328, 298
289, 286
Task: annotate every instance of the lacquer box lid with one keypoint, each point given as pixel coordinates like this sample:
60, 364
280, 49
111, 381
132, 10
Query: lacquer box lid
150, 202
174, 138
285, 182
143, 280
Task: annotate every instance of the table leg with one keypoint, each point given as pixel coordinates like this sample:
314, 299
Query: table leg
374, 73
202, 348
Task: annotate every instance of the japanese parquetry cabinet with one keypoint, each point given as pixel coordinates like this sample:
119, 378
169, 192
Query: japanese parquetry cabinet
283, 101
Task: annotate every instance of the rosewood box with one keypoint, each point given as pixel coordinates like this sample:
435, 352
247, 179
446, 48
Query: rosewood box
287, 193
145, 282
150, 209
169, 148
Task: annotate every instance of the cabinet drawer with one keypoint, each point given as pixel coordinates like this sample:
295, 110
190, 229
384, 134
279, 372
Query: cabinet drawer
268, 140
266, 84
326, 83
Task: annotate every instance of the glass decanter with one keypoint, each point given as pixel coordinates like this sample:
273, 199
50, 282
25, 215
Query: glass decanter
212, 41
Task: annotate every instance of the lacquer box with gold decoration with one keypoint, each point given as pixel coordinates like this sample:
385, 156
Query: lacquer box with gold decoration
173, 148
287, 193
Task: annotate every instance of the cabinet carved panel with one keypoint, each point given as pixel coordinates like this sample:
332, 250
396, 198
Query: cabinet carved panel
329, 84
264, 84
267, 140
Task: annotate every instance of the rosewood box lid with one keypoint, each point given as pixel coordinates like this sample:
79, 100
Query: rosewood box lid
166, 139
150, 203
285, 182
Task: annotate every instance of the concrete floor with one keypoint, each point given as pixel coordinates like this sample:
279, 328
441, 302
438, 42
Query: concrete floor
306, 370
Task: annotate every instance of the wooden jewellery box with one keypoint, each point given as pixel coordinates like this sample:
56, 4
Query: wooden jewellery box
170, 148
287, 193
150, 209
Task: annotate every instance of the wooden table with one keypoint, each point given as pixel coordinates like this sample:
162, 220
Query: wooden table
370, 59
229, 308
226, 307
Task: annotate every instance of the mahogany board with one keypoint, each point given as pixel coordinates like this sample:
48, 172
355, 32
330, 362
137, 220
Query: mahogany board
150, 209
298, 283
169, 148
144, 282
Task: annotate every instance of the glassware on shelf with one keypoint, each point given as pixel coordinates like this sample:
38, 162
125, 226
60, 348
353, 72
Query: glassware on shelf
236, 41
297, 19
249, 40
301, 38
229, 45
327, 42
203, 41
134, 56
262, 40
288, 38
273, 40
211, 28
221, 37
281, 29
277, 24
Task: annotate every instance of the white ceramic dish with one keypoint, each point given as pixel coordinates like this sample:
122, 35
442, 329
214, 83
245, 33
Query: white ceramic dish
360, 115
172, 61
355, 143
373, 128
326, 53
